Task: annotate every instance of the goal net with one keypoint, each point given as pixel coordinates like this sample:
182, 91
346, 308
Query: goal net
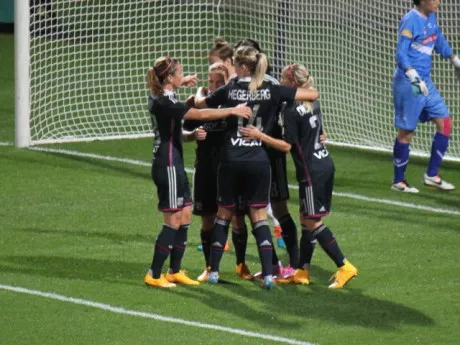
88, 60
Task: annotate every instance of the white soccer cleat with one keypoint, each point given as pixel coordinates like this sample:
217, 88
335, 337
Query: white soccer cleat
437, 182
403, 186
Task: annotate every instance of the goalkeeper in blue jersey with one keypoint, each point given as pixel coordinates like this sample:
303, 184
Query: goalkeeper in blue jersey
416, 99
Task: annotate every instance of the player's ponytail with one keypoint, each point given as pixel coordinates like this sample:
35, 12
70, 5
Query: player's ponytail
259, 72
299, 77
158, 74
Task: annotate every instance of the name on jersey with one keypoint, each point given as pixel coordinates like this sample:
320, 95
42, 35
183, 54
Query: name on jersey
245, 142
429, 39
246, 95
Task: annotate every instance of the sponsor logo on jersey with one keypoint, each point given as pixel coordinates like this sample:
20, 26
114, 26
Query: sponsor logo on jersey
180, 202
430, 39
245, 142
198, 206
215, 126
247, 95
406, 33
321, 153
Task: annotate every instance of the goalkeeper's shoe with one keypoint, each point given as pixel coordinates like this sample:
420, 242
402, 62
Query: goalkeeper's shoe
159, 282
213, 277
242, 270
403, 186
204, 276
344, 274
437, 182
302, 276
180, 278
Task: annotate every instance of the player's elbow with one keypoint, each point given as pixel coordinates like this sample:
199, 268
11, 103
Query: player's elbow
286, 147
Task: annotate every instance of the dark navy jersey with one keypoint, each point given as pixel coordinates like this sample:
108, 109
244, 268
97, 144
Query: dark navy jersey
167, 114
215, 136
264, 102
302, 129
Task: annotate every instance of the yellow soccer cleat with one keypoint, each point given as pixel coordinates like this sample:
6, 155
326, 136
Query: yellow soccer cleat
204, 276
160, 282
242, 270
302, 276
180, 278
343, 275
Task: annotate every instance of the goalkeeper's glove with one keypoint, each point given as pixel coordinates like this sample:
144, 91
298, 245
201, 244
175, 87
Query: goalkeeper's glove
418, 85
456, 63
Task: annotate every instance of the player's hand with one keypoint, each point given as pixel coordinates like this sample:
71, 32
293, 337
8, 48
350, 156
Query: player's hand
242, 110
200, 134
190, 80
456, 62
418, 85
190, 101
323, 137
250, 132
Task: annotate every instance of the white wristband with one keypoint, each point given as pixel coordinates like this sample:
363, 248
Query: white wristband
456, 61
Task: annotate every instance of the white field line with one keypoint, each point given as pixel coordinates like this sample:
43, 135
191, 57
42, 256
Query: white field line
157, 317
344, 195
5, 143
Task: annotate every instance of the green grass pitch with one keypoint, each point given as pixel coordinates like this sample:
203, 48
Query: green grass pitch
84, 227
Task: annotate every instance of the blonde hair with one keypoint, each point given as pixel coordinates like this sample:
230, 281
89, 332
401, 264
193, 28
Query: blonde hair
222, 49
220, 68
255, 61
299, 76
159, 72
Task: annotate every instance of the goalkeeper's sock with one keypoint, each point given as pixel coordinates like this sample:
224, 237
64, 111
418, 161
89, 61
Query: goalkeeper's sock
178, 250
438, 149
205, 235
289, 234
240, 241
163, 245
219, 237
307, 246
400, 160
329, 244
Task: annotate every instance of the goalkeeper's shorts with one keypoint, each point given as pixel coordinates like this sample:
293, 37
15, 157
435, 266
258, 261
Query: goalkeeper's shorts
411, 109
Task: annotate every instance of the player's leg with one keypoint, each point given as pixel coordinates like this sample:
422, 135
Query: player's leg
227, 175
240, 240
257, 193
175, 274
437, 111
207, 223
163, 176
317, 201
407, 108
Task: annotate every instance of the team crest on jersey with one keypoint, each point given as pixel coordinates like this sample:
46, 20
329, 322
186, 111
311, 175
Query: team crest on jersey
406, 33
180, 202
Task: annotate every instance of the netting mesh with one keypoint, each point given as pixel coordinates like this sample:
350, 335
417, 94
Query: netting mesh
89, 58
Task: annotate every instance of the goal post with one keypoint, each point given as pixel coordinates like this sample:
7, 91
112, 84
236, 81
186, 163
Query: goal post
88, 58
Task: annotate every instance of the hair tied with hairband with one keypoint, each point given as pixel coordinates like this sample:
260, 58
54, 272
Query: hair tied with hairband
167, 68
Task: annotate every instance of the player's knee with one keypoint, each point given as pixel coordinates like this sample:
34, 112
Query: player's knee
447, 126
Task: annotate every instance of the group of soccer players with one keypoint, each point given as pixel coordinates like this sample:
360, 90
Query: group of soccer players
245, 122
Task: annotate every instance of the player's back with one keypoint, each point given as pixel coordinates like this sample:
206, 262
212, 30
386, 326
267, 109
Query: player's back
167, 113
303, 127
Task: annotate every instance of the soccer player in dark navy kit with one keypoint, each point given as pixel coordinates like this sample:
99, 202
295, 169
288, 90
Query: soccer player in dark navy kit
244, 164
168, 166
315, 174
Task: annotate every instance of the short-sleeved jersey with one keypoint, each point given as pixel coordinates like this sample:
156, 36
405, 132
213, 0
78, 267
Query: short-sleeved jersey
302, 129
264, 101
167, 114
418, 36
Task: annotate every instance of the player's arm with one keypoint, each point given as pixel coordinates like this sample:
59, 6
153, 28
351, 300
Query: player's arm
443, 48
209, 114
203, 99
254, 133
196, 134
